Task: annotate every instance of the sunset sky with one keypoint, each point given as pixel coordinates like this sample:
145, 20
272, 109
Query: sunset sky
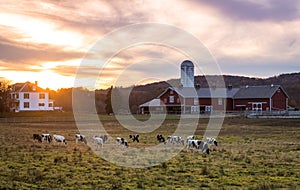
46, 41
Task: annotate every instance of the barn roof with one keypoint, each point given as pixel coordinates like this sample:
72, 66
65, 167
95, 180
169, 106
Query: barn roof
217, 92
266, 91
189, 92
152, 103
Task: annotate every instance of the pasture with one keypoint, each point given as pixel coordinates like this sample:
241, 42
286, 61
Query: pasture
252, 154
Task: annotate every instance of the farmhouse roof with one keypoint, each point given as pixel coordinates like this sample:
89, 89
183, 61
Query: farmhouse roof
266, 91
26, 87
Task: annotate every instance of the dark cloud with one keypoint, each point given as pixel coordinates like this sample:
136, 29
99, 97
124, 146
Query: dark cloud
278, 10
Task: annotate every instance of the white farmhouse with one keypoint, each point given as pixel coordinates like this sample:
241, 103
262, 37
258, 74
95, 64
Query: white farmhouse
29, 97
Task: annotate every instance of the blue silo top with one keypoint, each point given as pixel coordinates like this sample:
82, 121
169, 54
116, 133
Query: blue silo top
187, 63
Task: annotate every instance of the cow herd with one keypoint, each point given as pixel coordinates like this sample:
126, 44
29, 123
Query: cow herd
190, 142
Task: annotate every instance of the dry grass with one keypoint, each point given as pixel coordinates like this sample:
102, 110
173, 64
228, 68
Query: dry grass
252, 154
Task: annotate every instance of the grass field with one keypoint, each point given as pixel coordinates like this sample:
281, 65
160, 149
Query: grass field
252, 154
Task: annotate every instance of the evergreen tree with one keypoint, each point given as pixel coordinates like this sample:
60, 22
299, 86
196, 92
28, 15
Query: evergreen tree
108, 106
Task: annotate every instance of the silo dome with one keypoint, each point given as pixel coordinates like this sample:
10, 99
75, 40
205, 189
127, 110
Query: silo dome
187, 74
187, 63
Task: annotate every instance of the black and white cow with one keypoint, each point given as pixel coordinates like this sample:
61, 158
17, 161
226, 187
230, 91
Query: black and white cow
160, 138
134, 138
37, 137
81, 138
211, 141
104, 138
122, 141
98, 141
46, 138
191, 137
193, 144
59, 138
198, 144
175, 140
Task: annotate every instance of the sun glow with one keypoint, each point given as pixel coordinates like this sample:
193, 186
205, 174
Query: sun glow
46, 78
40, 31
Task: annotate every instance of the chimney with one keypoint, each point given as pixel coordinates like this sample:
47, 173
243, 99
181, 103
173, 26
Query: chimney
34, 87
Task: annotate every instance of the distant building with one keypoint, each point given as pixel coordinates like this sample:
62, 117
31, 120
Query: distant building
189, 99
29, 97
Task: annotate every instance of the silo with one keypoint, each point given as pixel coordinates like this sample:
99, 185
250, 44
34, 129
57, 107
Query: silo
187, 74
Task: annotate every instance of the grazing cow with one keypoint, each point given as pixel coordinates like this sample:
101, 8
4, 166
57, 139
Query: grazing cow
160, 138
81, 138
104, 138
37, 137
122, 141
134, 138
98, 141
211, 141
46, 137
175, 139
59, 138
198, 144
192, 137
193, 144
205, 148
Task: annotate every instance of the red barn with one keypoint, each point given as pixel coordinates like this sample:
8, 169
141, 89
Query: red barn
261, 98
200, 100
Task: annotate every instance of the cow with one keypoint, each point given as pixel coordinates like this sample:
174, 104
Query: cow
59, 138
98, 141
205, 148
211, 141
104, 138
193, 144
191, 137
134, 138
122, 141
198, 144
37, 137
160, 138
46, 138
81, 138
175, 139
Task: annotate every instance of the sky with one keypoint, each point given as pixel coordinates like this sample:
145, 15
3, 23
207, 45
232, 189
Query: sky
48, 41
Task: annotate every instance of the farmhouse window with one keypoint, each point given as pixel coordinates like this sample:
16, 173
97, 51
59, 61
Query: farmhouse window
165, 100
17, 96
41, 104
171, 92
26, 104
50, 105
171, 100
42, 96
26, 95
178, 100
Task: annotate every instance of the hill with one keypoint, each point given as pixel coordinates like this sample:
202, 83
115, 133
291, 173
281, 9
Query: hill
143, 93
